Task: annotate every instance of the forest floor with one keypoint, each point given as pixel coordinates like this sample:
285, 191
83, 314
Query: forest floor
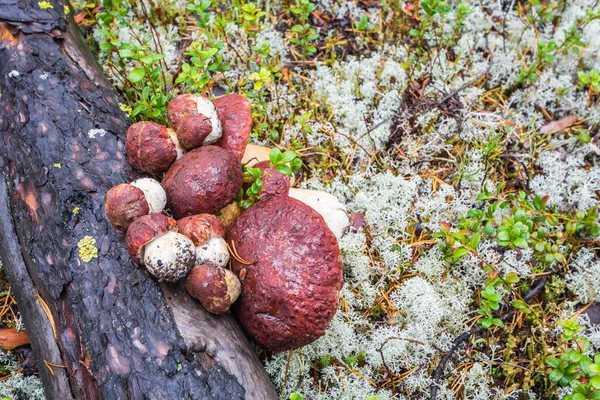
463, 133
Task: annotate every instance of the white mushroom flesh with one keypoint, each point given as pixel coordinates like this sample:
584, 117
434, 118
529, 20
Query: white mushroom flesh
213, 252
178, 147
331, 209
169, 257
206, 107
156, 197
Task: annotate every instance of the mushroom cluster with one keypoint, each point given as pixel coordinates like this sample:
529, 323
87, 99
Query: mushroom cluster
199, 157
283, 252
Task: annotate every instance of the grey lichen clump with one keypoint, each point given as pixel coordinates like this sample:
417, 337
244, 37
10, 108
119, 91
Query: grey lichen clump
18, 386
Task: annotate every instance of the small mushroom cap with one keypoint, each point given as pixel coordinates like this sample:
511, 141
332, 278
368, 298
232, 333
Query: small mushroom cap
144, 229
154, 193
275, 183
236, 118
150, 147
201, 228
169, 257
204, 180
123, 204
216, 288
213, 252
195, 120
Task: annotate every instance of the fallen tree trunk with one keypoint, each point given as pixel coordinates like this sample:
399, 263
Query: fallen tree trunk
99, 327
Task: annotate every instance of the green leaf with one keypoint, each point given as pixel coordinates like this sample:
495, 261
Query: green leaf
127, 53
136, 75
574, 356
594, 395
460, 253
520, 242
275, 156
595, 382
486, 323
296, 164
578, 396
296, 396
474, 242
519, 304
556, 375
512, 278
552, 361
497, 322
284, 169
288, 156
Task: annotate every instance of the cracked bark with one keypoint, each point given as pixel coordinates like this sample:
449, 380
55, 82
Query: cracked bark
118, 333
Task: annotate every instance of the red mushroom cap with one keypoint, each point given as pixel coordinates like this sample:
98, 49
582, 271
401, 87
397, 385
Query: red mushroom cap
201, 228
123, 204
150, 147
236, 119
191, 127
144, 229
293, 272
215, 287
274, 182
202, 181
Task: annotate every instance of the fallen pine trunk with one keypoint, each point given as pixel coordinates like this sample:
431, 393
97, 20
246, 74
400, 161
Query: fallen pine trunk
99, 326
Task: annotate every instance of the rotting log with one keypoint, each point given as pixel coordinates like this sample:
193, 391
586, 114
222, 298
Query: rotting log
101, 328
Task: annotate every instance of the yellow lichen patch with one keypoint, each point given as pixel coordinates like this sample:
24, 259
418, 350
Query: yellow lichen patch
125, 108
57, 165
87, 249
44, 5
67, 10
76, 211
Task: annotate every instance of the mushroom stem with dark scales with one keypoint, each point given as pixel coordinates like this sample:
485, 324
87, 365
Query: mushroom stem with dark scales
153, 240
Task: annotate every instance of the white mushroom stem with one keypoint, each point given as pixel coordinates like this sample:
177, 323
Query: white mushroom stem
206, 107
175, 140
233, 285
169, 257
155, 195
213, 252
331, 209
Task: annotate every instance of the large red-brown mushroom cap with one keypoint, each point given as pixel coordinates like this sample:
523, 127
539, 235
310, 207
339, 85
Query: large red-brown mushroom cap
145, 229
151, 147
123, 204
291, 285
202, 181
215, 287
236, 119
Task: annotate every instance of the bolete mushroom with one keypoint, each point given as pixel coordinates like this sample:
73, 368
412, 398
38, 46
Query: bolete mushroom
236, 119
151, 147
126, 202
195, 120
291, 271
154, 241
204, 180
215, 287
331, 209
206, 232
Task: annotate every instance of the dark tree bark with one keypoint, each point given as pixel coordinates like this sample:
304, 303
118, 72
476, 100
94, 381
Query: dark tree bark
110, 333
